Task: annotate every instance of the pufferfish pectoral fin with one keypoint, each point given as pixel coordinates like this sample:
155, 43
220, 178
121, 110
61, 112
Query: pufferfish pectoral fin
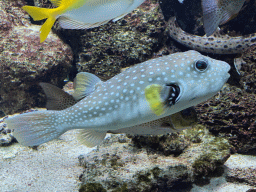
153, 97
91, 138
84, 84
185, 119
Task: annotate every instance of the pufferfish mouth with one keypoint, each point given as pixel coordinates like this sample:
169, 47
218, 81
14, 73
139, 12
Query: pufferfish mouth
173, 94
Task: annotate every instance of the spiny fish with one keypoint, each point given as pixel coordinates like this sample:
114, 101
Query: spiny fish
57, 99
217, 43
81, 14
218, 12
146, 92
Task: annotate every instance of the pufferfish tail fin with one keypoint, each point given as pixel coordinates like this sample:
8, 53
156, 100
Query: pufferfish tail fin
35, 128
37, 14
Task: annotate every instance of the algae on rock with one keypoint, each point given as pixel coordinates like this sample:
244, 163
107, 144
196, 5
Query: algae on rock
125, 163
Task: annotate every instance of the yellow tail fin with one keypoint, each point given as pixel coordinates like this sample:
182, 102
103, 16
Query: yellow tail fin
37, 14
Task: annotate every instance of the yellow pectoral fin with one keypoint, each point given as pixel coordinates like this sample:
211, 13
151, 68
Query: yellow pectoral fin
153, 97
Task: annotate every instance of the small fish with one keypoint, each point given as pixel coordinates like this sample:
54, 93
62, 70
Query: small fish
219, 44
177, 81
218, 12
81, 14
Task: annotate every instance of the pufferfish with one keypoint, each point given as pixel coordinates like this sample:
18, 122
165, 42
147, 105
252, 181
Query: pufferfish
57, 99
143, 93
81, 14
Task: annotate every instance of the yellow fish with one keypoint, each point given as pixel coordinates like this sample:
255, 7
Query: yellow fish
81, 14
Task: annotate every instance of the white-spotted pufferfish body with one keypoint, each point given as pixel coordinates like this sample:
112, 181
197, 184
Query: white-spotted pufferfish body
146, 92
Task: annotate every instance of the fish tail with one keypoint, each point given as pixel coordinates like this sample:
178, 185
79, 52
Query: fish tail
35, 128
46, 28
37, 14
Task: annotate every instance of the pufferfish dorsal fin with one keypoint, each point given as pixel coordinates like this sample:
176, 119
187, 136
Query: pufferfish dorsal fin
57, 99
90, 138
84, 84
153, 97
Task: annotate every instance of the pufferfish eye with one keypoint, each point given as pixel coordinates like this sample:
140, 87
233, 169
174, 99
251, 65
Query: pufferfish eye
201, 65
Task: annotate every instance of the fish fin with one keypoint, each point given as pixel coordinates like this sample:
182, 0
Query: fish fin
119, 17
38, 13
35, 128
218, 12
67, 23
153, 97
211, 16
46, 28
156, 127
84, 84
231, 11
227, 17
217, 33
57, 99
184, 119
130, 9
90, 138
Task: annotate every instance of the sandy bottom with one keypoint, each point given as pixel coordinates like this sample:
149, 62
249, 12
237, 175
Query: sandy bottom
53, 167
219, 184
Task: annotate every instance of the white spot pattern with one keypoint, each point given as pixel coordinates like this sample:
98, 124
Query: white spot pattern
119, 101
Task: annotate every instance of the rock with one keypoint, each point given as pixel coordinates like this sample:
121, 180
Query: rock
6, 140
232, 111
116, 166
241, 168
239, 175
133, 39
6, 137
25, 62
